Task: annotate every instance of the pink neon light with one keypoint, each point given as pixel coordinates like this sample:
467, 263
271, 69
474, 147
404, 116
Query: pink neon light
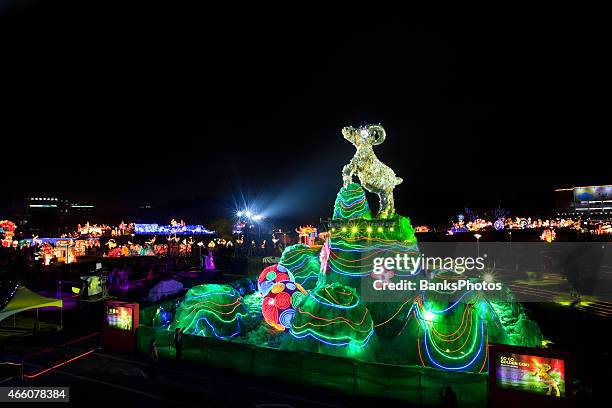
64, 344
59, 364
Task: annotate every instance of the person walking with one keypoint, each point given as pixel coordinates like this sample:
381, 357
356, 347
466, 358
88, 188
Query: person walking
178, 343
153, 358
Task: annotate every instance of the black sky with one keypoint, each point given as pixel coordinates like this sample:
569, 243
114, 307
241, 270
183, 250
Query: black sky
196, 108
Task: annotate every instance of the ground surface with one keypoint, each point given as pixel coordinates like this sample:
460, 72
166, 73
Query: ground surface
109, 379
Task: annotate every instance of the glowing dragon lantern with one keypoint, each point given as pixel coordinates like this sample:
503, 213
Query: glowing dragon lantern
373, 174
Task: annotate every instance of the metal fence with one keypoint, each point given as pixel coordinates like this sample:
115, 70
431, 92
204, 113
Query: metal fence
414, 384
48, 359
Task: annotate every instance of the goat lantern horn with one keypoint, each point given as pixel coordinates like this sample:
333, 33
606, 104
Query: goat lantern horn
378, 134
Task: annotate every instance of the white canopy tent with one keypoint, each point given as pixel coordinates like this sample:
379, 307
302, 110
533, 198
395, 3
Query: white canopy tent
164, 288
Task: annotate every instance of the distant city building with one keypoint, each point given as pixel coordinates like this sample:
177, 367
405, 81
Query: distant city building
50, 215
145, 213
45, 202
588, 202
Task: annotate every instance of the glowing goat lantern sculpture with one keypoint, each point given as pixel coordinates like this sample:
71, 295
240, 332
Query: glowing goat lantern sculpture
374, 175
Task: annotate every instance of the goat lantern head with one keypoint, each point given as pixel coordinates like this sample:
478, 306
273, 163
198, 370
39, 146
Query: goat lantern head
374, 175
370, 135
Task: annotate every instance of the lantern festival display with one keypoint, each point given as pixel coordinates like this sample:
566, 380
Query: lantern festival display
209, 261
323, 298
211, 310
307, 235
81, 246
603, 229
65, 251
271, 275
351, 203
279, 305
45, 253
499, 224
548, 235
8, 229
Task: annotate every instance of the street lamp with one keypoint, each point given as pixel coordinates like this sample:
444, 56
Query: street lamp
200, 244
478, 236
251, 219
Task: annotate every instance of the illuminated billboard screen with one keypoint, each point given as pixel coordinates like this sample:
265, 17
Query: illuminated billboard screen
593, 193
120, 317
532, 374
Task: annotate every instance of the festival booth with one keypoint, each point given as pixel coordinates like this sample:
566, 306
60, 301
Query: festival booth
92, 286
120, 324
24, 299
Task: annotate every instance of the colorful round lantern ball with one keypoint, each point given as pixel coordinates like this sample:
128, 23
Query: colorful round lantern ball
278, 307
271, 275
499, 225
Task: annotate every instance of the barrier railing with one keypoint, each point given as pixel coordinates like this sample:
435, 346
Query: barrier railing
419, 385
51, 358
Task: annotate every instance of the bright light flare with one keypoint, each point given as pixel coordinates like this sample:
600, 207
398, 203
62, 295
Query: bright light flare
488, 277
429, 316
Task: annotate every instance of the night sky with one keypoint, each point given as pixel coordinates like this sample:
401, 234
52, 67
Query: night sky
194, 111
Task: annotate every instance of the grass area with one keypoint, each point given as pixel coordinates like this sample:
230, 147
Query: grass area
19, 326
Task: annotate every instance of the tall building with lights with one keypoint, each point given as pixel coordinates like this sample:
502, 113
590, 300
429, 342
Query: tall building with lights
587, 202
50, 215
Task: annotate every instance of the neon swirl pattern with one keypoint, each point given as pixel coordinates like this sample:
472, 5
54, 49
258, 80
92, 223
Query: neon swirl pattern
272, 275
278, 307
351, 203
454, 347
211, 310
333, 315
303, 263
353, 257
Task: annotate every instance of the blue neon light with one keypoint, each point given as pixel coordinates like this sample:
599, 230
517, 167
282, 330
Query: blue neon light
149, 229
213, 328
462, 367
324, 301
51, 241
309, 334
448, 308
